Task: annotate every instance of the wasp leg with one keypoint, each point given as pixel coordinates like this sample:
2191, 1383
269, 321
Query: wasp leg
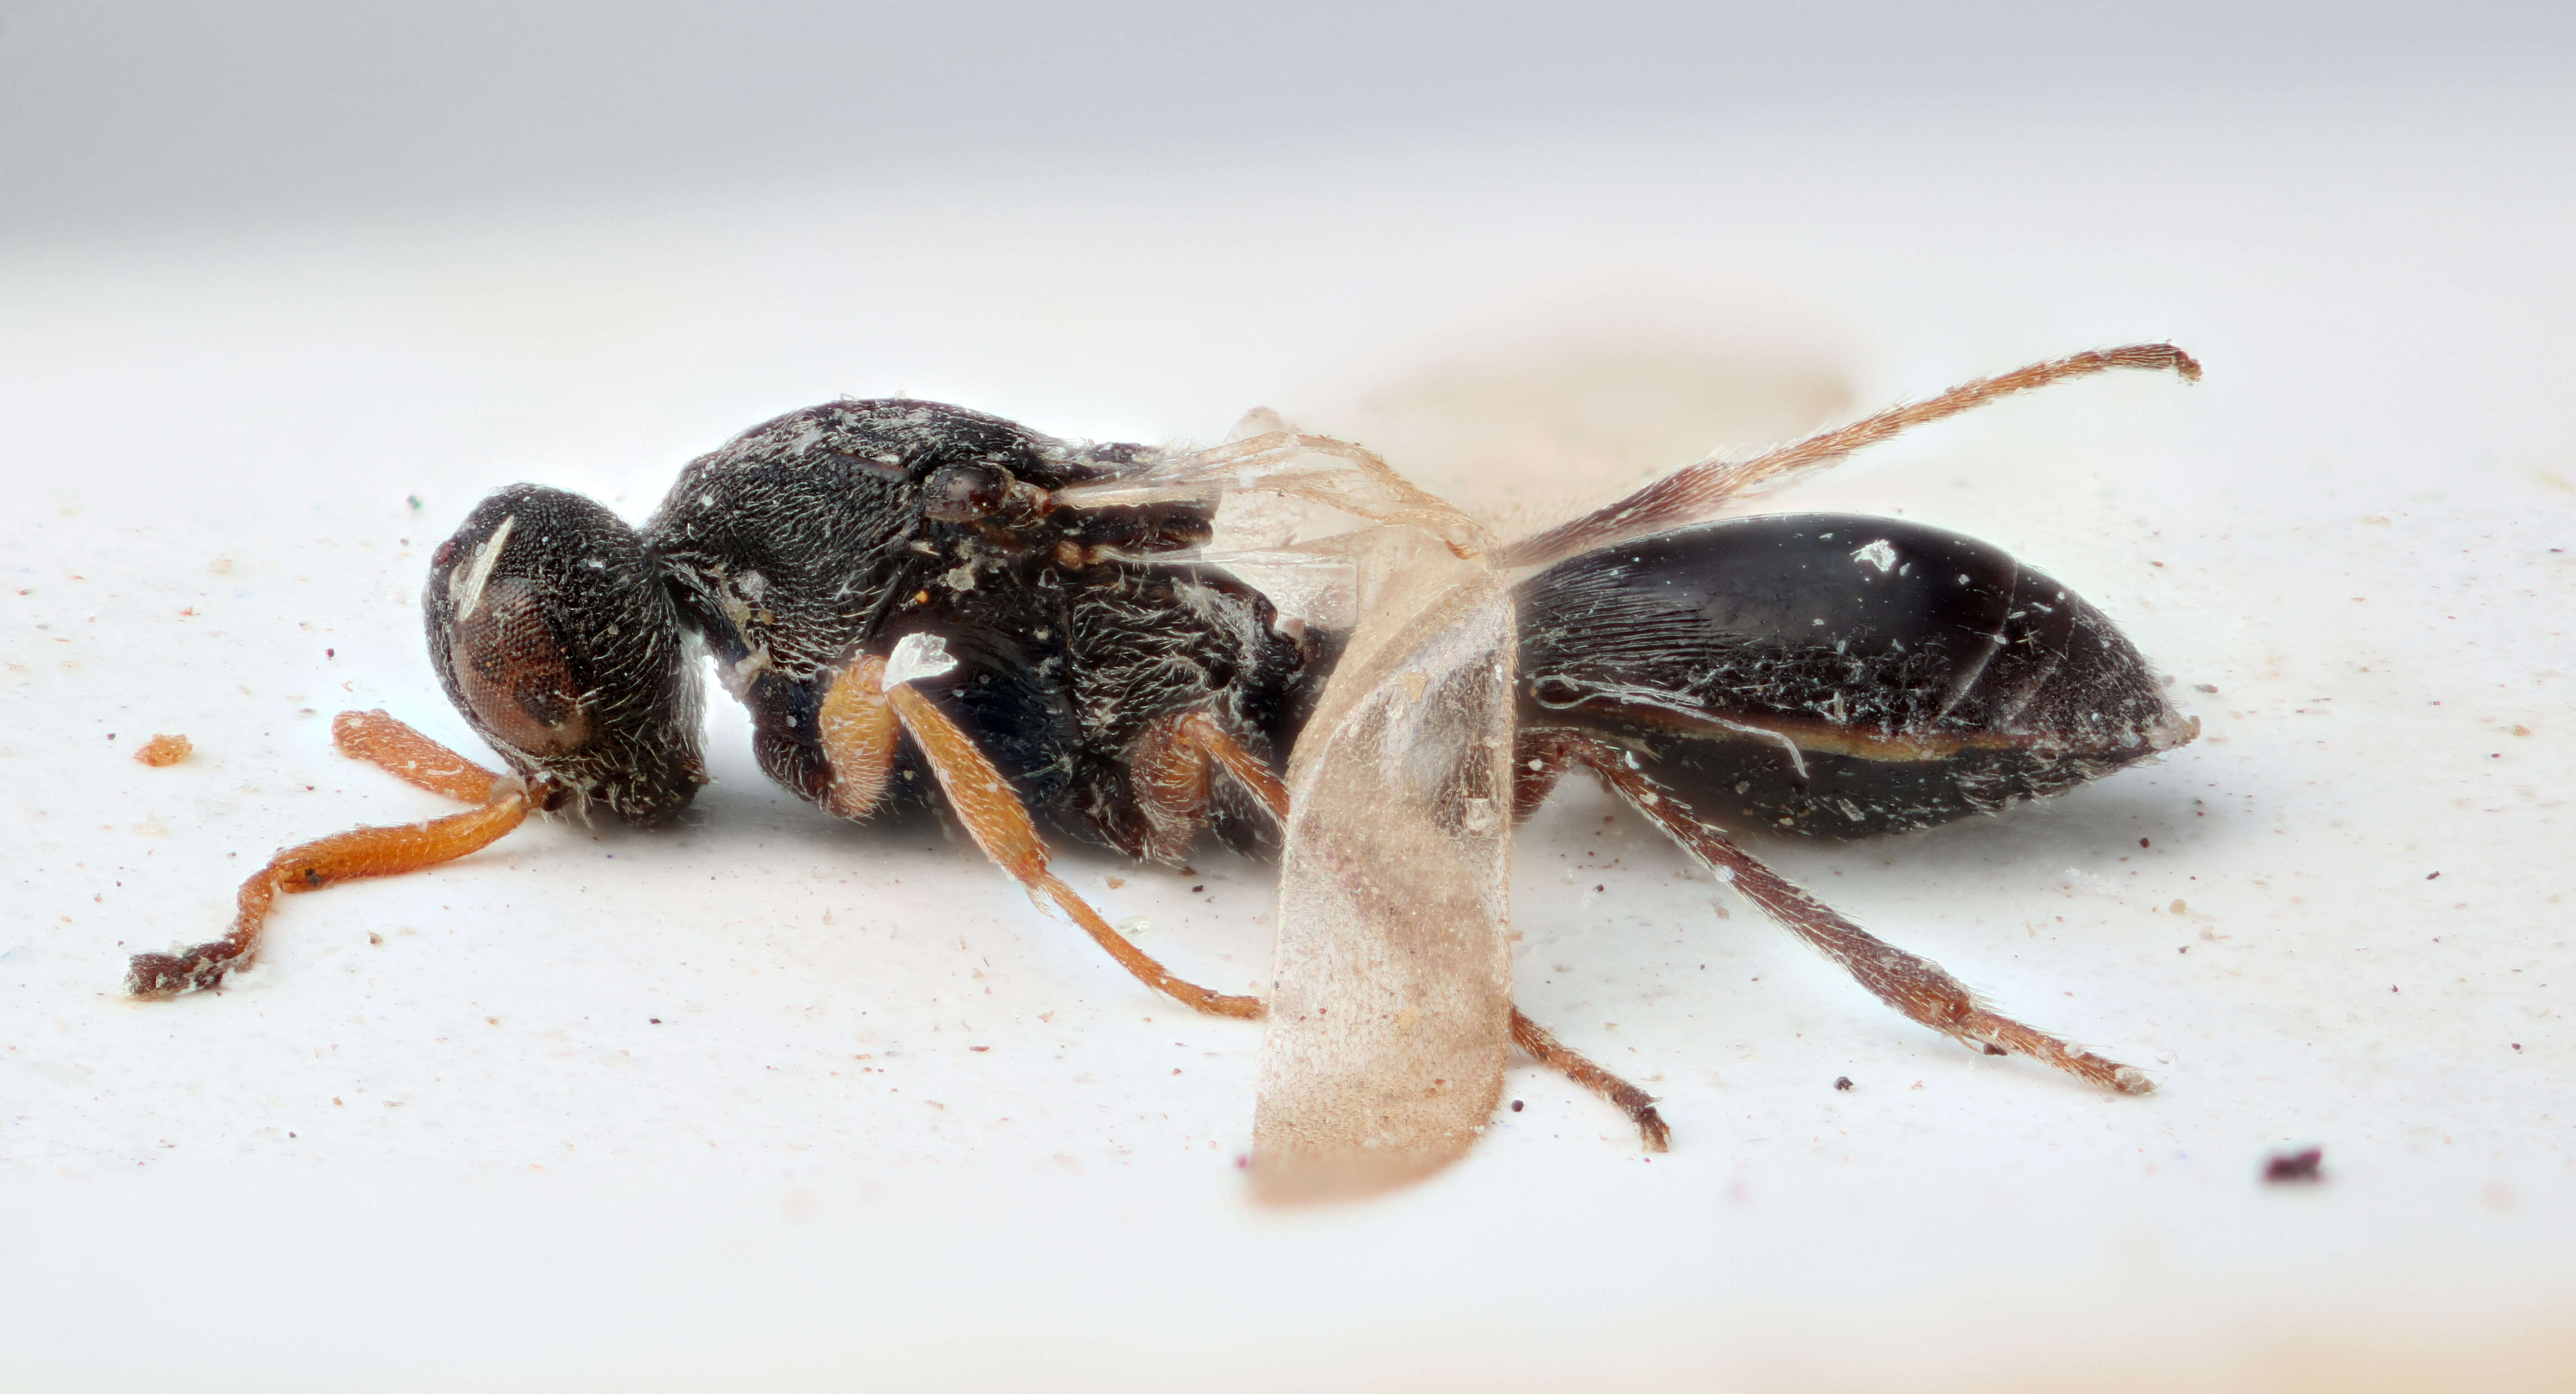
1639, 1105
995, 818
1170, 767
1916, 986
327, 862
858, 733
1200, 730
1244, 767
389, 745
1692, 491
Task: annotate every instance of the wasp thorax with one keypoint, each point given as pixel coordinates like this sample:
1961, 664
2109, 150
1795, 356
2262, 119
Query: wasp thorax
558, 646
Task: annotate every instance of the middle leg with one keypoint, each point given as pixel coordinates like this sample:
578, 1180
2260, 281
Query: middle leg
1208, 743
988, 807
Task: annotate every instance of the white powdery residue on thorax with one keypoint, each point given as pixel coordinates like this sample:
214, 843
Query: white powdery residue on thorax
738, 676
917, 657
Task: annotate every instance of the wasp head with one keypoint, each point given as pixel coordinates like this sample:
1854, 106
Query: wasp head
555, 639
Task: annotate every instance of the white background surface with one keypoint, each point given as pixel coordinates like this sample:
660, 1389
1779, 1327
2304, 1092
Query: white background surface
895, 1126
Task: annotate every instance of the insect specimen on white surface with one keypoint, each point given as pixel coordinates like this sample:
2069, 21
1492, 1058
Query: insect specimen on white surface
919, 603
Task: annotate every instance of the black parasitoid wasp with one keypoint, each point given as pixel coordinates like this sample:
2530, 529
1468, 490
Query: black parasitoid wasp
921, 604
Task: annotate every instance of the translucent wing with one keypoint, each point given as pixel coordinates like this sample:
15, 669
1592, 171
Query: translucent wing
1318, 469
1391, 1011
1390, 1016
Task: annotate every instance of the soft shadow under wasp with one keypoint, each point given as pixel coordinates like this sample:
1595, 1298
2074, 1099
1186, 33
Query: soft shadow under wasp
917, 602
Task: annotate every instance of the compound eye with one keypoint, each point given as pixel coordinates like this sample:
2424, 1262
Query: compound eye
963, 493
512, 672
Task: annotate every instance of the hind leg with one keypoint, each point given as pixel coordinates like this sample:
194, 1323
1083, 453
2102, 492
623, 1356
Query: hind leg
1911, 984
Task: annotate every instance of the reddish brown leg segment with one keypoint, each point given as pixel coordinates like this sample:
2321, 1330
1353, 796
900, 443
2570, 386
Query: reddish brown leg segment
1628, 1098
409, 756
991, 811
340, 857
1168, 769
1528, 789
1242, 765
857, 730
1916, 986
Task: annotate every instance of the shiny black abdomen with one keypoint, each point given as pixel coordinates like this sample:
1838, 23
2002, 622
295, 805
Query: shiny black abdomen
1836, 674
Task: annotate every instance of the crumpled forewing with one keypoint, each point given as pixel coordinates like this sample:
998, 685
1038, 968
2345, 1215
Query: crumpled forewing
1391, 1013
1318, 469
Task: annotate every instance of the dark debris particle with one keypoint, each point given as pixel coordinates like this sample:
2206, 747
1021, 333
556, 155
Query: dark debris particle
655, 1020
1194, 890
1516, 1104
2295, 1167
2432, 876
1843, 1083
